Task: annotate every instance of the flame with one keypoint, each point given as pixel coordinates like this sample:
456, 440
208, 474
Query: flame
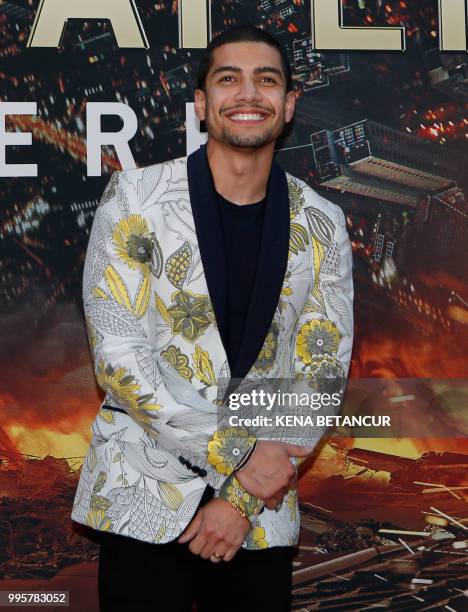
388, 349
42, 441
459, 314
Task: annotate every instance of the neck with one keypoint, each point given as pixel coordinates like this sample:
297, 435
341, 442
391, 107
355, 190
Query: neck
240, 174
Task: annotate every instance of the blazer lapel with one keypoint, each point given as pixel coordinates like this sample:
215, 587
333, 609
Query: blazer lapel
272, 259
271, 269
207, 221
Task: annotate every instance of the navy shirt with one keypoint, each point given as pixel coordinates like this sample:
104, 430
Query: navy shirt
242, 230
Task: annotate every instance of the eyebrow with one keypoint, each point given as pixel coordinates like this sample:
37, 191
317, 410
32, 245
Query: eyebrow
258, 70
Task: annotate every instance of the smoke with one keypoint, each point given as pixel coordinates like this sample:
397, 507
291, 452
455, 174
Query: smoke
47, 379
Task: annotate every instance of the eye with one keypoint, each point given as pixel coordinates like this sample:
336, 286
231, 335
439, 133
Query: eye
271, 79
227, 76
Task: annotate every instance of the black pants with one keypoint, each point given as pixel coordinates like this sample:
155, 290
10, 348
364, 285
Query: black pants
136, 575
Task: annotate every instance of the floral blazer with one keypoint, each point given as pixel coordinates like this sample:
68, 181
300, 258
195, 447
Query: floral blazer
154, 298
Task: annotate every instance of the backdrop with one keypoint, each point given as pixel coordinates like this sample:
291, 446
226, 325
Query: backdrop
382, 134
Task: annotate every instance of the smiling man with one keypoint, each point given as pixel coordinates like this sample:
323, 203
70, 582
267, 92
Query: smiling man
201, 271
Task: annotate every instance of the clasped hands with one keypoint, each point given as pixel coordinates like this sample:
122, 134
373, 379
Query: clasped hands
218, 530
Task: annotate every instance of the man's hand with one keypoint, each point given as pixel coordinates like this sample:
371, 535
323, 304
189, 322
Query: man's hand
218, 528
269, 473
273, 502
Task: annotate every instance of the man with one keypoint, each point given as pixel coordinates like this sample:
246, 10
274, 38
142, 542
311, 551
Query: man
200, 271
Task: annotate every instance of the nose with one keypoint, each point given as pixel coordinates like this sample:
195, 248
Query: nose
248, 91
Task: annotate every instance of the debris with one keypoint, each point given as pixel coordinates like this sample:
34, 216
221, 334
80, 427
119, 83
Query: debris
450, 518
401, 532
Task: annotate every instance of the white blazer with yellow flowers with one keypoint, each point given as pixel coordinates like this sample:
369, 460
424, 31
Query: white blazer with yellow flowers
154, 293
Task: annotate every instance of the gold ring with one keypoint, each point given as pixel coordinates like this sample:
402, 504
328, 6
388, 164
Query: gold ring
218, 556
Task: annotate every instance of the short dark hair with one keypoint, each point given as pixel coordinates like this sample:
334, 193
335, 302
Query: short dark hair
242, 33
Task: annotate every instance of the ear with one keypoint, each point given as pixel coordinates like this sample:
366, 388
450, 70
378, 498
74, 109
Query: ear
289, 106
200, 104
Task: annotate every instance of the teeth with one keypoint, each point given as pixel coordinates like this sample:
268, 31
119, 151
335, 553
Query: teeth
247, 117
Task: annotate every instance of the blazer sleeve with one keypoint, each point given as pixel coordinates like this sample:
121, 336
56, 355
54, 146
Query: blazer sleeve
333, 325
119, 283
333, 322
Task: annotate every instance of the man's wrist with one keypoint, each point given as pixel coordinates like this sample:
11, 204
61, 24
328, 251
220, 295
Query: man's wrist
233, 492
246, 458
237, 508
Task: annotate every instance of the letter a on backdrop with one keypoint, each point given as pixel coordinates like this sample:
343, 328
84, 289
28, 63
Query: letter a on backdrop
52, 16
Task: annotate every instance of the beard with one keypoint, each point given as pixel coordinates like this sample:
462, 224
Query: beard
254, 141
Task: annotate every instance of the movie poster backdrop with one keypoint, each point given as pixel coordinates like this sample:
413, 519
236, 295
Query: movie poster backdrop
381, 129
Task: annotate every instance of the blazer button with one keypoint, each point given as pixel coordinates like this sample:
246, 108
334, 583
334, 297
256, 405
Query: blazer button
184, 461
203, 472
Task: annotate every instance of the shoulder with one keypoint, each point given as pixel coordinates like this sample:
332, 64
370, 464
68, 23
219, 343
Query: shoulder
133, 174
147, 184
312, 199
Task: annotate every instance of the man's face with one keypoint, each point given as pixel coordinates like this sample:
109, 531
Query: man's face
245, 104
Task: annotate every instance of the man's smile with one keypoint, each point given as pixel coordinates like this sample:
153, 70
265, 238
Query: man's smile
247, 117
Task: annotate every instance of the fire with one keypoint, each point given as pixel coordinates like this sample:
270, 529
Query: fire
458, 314
43, 441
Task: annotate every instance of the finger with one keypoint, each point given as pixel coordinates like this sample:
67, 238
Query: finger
221, 549
279, 495
231, 552
211, 546
198, 543
192, 529
295, 450
271, 503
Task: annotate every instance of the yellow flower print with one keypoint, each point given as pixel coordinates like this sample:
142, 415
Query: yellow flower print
327, 374
137, 246
238, 495
234, 492
266, 357
290, 500
189, 315
98, 519
178, 265
92, 335
257, 537
123, 389
108, 416
227, 447
316, 338
203, 366
160, 533
178, 360
296, 198
329, 368
298, 240
286, 291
